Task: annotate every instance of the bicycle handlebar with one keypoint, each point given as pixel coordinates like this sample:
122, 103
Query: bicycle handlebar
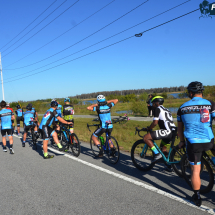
137, 130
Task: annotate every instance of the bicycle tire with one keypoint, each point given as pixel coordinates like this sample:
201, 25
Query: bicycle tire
93, 147
75, 144
63, 140
206, 174
33, 139
176, 155
142, 162
113, 156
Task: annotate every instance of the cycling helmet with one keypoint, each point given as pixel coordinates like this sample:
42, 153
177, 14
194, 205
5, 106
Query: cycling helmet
29, 107
67, 100
195, 87
54, 104
18, 106
101, 98
7, 105
159, 99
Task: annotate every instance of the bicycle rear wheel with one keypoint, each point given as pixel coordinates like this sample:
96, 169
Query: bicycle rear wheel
176, 156
34, 140
142, 155
206, 174
75, 144
113, 153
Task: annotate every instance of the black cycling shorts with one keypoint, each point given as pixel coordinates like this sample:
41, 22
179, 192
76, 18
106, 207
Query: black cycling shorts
194, 151
9, 132
12, 121
162, 134
18, 119
98, 132
46, 132
27, 128
71, 125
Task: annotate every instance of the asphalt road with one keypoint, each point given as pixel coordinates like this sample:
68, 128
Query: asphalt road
85, 185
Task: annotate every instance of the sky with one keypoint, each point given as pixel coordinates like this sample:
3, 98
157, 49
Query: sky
65, 42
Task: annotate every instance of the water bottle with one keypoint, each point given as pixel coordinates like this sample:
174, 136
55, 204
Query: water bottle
102, 140
213, 160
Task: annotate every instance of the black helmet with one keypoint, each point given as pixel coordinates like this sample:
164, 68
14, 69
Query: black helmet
18, 106
29, 107
159, 99
54, 104
195, 87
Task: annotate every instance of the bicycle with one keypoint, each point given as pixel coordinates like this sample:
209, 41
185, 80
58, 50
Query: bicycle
69, 140
34, 136
121, 119
206, 173
113, 155
142, 155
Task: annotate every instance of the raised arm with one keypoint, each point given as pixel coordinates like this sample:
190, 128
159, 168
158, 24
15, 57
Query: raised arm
113, 101
92, 106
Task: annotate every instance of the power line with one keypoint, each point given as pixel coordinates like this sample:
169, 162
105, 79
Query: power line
105, 46
43, 27
103, 39
59, 36
87, 36
29, 24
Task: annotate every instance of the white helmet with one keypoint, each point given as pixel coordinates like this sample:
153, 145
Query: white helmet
100, 98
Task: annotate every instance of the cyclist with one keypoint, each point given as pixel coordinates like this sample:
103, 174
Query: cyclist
36, 120
9, 108
162, 117
68, 112
56, 121
46, 131
6, 126
29, 117
196, 117
103, 108
19, 117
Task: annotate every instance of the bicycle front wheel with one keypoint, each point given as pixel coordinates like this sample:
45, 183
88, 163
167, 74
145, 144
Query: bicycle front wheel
142, 155
94, 148
206, 174
75, 144
113, 153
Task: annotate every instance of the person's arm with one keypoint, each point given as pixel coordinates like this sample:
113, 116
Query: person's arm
156, 119
63, 121
91, 107
154, 123
113, 101
12, 117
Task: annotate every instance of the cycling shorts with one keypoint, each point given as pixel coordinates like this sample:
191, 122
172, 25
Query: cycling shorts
18, 119
27, 128
8, 131
46, 132
12, 121
100, 131
194, 151
71, 125
162, 134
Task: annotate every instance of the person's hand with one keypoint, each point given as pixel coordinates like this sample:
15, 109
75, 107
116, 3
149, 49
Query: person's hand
181, 144
69, 123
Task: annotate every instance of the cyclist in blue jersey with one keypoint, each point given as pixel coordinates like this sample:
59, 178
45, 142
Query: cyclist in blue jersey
195, 124
56, 121
46, 131
35, 119
19, 117
6, 116
29, 119
103, 109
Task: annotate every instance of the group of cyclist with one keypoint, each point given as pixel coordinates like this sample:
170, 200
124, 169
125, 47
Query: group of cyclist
194, 127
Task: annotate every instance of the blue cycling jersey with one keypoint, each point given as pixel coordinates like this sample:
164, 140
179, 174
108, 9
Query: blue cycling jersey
197, 115
104, 114
5, 117
29, 115
48, 117
58, 110
19, 112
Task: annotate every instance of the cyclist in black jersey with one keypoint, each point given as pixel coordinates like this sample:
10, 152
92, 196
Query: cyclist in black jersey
164, 119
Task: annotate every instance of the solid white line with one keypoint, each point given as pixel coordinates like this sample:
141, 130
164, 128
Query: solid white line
138, 183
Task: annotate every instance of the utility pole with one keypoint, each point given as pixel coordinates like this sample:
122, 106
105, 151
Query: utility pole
1, 78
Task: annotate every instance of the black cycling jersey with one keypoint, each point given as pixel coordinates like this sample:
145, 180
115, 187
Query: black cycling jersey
68, 110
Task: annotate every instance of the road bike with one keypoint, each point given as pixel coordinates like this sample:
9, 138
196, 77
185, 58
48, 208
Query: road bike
69, 140
206, 173
142, 155
34, 136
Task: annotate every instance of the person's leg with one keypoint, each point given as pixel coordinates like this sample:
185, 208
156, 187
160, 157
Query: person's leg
11, 143
98, 132
56, 140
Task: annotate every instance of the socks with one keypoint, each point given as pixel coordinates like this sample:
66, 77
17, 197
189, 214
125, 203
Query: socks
45, 154
11, 146
99, 147
197, 193
59, 145
154, 150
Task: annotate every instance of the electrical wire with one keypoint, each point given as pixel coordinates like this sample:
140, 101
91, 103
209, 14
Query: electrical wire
42, 28
29, 24
59, 36
105, 46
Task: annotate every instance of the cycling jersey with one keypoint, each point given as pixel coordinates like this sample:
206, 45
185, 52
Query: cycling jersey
19, 112
104, 114
5, 117
164, 117
68, 111
48, 117
29, 115
58, 110
10, 109
197, 115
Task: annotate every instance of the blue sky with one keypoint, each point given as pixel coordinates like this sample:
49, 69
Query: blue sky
171, 55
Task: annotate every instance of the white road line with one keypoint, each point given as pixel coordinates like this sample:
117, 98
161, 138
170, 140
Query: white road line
138, 183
